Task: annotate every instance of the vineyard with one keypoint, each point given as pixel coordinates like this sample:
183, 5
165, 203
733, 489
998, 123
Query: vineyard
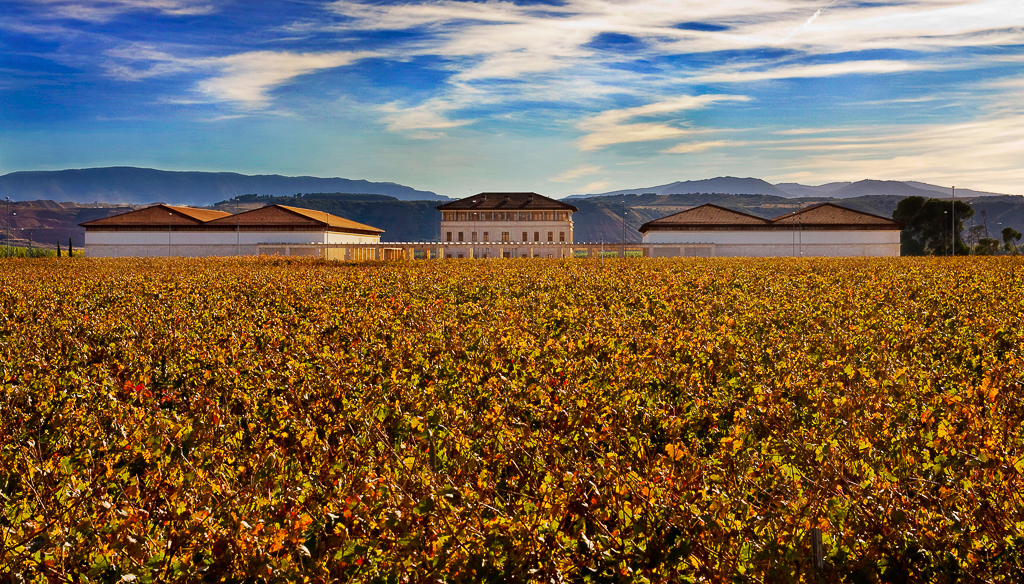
505, 420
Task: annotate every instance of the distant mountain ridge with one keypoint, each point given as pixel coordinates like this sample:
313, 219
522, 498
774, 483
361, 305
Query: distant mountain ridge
729, 185
131, 185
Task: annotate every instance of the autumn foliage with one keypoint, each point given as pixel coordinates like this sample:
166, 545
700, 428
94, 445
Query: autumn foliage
507, 420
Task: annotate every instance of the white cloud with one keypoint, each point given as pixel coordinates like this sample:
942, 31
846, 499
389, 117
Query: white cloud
576, 172
104, 10
617, 126
809, 71
983, 153
244, 79
422, 122
694, 147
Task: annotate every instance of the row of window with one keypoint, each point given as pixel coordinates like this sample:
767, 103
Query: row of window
505, 216
505, 236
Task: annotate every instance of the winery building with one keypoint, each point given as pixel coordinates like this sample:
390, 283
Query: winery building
506, 225
821, 230
166, 230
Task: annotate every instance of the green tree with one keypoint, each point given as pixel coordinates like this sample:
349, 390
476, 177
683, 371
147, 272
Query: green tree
926, 225
987, 246
1010, 238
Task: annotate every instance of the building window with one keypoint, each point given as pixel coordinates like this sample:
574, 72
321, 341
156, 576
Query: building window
504, 236
561, 236
549, 216
526, 237
487, 236
551, 237
449, 236
536, 235
538, 216
563, 216
460, 236
525, 216
473, 236
462, 216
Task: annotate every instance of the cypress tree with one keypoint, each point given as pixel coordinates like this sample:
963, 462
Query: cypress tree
58, 248
71, 249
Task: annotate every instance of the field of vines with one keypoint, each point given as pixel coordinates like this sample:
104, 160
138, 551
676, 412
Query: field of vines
247, 420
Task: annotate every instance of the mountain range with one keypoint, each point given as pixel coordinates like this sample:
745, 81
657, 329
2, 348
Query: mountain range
729, 185
129, 185
406, 214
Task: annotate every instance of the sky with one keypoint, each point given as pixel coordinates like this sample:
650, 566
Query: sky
557, 97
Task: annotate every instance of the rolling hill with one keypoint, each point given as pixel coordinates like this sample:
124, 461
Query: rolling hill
837, 190
130, 185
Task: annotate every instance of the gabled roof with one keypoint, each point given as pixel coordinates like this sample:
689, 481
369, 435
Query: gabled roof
708, 215
507, 201
832, 214
823, 216
158, 216
291, 217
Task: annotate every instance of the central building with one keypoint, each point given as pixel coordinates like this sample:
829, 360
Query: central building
506, 225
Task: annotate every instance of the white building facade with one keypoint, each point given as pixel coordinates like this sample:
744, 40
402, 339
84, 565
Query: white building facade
505, 225
165, 230
824, 230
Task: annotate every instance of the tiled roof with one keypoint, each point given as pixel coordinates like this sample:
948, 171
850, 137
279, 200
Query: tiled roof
503, 201
159, 216
831, 214
163, 216
284, 216
822, 216
708, 215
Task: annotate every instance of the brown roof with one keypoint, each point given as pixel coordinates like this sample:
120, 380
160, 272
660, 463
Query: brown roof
706, 215
823, 216
502, 201
158, 216
832, 214
284, 216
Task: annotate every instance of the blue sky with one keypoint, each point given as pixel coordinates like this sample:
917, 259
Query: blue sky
576, 96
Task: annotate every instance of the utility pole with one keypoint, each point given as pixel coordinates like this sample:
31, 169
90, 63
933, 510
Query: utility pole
623, 225
169, 216
8, 234
952, 228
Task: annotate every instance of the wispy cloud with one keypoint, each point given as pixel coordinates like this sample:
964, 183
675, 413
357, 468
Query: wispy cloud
104, 10
576, 172
423, 121
983, 153
620, 126
244, 79
694, 147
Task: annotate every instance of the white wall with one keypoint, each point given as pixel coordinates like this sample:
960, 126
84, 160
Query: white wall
788, 243
203, 243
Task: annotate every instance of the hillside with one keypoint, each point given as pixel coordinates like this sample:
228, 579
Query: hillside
598, 219
129, 185
400, 220
837, 190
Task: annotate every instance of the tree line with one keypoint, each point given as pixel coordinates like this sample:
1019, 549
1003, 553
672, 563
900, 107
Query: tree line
928, 229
